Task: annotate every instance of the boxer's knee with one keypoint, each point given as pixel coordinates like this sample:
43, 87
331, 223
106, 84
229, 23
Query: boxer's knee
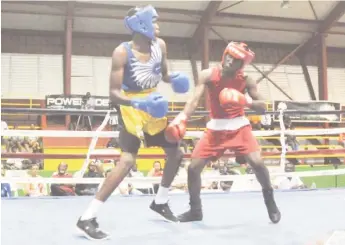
127, 159
174, 154
255, 160
196, 166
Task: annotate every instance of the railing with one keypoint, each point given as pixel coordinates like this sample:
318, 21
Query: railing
20, 118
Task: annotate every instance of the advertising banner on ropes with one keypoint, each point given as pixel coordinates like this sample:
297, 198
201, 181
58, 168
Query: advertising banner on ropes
317, 106
77, 102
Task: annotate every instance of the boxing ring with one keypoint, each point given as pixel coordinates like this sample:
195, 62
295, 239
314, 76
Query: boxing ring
311, 216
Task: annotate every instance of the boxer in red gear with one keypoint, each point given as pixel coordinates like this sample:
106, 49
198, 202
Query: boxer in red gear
228, 128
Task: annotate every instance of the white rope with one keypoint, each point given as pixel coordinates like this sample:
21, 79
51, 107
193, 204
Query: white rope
282, 140
197, 134
156, 180
93, 144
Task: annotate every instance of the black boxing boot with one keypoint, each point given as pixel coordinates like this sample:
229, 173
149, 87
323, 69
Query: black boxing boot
193, 214
272, 209
90, 229
164, 210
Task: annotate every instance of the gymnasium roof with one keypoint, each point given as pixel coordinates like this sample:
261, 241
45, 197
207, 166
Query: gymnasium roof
255, 21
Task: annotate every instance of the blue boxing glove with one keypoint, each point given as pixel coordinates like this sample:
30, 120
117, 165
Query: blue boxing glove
179, 82
154, 104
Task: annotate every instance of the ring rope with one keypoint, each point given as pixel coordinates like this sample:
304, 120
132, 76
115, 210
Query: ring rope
93, 144
291, 154
99, 133
56, 112
282, 140
196, 134
156, 180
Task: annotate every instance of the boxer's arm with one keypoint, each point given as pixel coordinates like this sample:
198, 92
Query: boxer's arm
164, 64
119, 58
258, 103
192, 103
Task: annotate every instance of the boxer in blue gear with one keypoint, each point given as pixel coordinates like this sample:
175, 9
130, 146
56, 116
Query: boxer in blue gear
137, 68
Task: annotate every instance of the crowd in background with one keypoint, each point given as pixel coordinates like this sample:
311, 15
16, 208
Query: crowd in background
99, 169
17, 144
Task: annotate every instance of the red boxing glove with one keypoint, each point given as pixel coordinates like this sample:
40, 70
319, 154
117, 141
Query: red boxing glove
176, 129
229, 97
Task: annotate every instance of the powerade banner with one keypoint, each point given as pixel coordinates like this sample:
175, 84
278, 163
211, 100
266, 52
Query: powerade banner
316, 106
76, 102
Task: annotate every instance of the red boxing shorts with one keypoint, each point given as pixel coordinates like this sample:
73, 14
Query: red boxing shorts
213, 143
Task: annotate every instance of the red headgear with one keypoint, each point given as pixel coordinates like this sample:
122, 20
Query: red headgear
239, 51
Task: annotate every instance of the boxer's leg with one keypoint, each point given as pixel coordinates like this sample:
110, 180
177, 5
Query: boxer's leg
194, 181
174, 158
251, 153
261, 172
203, 153
87, 223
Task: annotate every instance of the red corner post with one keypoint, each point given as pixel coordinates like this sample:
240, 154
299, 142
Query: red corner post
68, 55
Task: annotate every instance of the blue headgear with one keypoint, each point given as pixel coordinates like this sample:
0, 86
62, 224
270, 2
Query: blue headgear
141, 22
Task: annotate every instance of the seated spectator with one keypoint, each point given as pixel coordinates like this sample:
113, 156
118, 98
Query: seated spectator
62, 189
113, 143
266, 122
4, 126
209, 173
244, 184
120, 190
227, 169
181, 186
133, 191
35, 189
5, 187
95, 170
31, 143
156, 171
288, 183
134, 172
15, 143
14, 163
184, 147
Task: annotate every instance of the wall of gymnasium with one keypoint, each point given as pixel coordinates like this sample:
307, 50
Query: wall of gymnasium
32, 66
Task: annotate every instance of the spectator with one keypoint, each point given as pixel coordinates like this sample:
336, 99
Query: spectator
181, 186
4, 126
62, 189
157, 170
214, 172
287, 183
120, 190
184, 147
32, 143
14, 163
113, 143
290, 139
266, 122
5, 187
227, 169
135, 173
36, 189
133, 191
95, 170
15, 143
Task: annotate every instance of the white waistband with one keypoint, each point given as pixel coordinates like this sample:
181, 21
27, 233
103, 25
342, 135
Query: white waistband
227, 124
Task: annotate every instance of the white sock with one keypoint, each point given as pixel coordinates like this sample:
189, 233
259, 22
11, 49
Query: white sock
162, 195
92, 210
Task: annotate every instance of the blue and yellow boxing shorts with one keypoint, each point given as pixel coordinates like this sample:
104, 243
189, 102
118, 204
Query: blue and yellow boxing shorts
138, 122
